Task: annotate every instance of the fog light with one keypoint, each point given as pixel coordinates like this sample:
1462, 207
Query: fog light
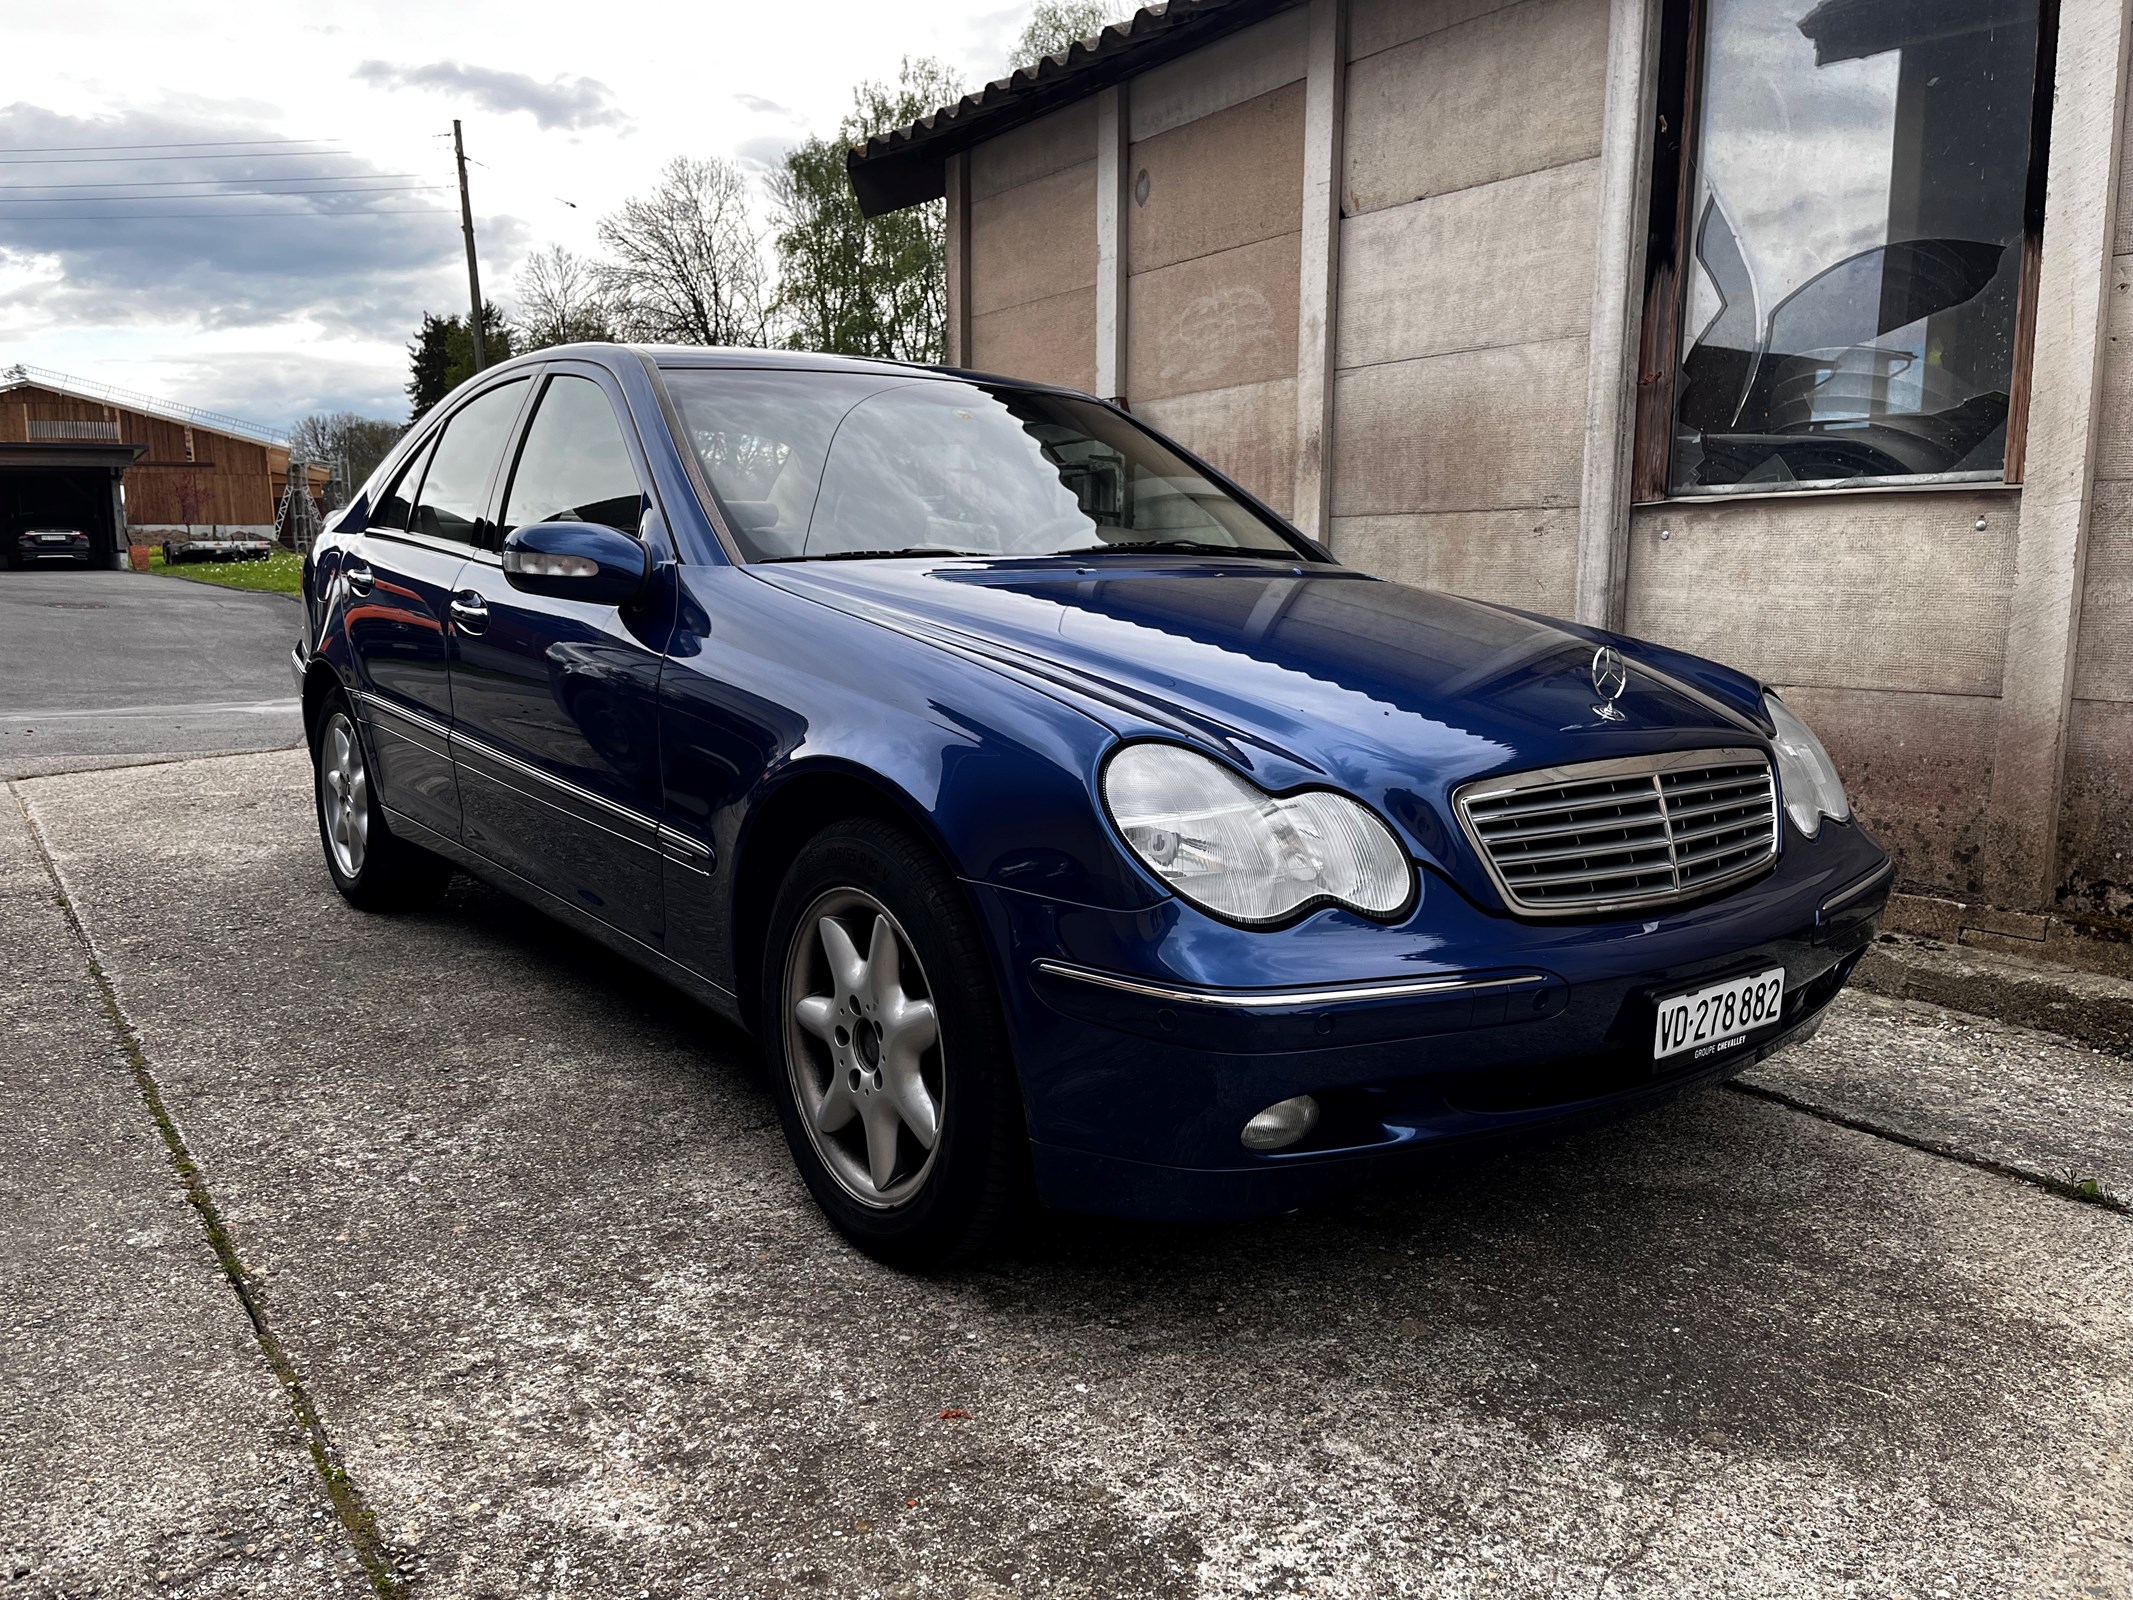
1281, 1124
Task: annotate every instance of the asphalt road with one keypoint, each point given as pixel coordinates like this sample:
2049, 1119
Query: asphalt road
518, 1226
102, 668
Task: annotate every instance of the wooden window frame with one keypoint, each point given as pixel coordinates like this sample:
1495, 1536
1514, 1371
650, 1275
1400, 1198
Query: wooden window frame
1676, 119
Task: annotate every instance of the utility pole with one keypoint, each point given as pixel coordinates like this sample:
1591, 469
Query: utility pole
466, 226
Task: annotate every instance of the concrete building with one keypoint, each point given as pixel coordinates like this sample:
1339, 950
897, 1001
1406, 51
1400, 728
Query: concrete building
1789, 331
128, 467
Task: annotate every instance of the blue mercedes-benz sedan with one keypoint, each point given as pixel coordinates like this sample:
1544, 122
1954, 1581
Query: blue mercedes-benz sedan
1062, 822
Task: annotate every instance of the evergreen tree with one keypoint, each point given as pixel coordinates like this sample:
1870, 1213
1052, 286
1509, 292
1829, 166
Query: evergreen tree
442, 356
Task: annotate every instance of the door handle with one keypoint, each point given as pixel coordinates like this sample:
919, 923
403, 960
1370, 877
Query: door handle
361, 580
470, 613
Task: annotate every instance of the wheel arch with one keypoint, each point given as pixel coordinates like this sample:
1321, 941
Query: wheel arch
321, 682
802, 803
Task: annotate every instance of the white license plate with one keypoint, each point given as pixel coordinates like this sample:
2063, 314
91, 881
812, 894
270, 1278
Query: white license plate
1721, 1016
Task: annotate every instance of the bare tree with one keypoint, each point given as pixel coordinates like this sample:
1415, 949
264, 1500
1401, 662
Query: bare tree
351, 446
1055, 24
560, 300
685, 262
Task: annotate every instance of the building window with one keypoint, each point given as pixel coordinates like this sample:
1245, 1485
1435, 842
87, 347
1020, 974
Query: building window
1840, 281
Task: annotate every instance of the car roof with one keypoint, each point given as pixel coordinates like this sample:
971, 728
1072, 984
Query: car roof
671, 357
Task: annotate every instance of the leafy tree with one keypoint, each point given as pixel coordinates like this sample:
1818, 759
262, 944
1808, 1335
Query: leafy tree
685, 262
351, 445
442, 356
855, 285
560, 301
1055, 24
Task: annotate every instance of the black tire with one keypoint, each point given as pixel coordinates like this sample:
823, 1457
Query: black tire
384, 873
959, 1199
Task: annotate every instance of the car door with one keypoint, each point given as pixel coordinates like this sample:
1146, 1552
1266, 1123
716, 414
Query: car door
555, 701
400, 574
395, 589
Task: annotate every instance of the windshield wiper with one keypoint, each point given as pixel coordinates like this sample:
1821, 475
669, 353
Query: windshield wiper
869, 555
1179, 547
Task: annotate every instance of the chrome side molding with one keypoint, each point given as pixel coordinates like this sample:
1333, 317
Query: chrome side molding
1274, 999
1854, 891
671, 842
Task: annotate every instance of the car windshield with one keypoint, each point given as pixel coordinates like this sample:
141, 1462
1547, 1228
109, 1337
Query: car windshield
826, 465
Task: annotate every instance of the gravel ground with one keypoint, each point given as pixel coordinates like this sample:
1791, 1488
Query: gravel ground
523, 1222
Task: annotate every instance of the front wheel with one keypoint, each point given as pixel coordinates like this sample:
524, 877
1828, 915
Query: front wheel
372, 867
887, 1052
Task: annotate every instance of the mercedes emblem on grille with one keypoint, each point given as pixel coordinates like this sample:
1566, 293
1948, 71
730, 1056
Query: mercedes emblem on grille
1610, 676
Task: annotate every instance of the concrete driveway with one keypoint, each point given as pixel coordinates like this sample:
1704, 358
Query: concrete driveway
483, 1271
102, 668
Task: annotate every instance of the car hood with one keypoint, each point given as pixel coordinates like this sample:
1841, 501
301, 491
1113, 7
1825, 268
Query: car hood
1305, 673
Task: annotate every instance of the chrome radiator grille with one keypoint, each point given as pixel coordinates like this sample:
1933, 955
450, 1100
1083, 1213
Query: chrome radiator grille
1605, 835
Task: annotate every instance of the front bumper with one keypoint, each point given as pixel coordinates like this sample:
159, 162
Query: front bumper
1137, 1087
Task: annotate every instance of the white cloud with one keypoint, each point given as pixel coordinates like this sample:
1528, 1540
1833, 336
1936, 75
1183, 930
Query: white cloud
564, 120
561, 102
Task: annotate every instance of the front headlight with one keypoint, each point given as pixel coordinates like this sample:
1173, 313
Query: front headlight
1805, 773
1242, 853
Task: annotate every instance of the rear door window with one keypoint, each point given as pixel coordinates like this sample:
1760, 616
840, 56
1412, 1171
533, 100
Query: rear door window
455, 490
393, 510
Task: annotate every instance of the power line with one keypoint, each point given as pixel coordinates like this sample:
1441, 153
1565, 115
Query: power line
159, 144
188, 183
226, 194
234, 155
216, 216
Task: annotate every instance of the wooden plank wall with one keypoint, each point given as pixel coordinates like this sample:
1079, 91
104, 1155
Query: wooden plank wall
233, 481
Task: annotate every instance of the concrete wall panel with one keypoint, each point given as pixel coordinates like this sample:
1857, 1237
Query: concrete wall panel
1215, 322
1505, 263
1233, 177
1064, 139
2103, 665
1917, 768
1227, 73
2122, 232
1510, 92
1249, 432
1520, 558
1375, 25
2096, 841
1051, 340
1034, 241
1470, 431
2114, 433
1898, 591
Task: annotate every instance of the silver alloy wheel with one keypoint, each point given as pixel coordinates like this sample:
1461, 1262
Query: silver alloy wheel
862, 1047
344, 794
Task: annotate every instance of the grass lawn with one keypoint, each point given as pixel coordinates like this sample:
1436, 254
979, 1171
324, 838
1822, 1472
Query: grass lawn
281, 573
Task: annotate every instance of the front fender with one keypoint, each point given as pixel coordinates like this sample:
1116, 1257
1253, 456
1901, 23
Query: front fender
765, 688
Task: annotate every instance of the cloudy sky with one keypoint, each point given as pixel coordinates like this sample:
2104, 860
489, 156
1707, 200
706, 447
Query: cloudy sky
270, 307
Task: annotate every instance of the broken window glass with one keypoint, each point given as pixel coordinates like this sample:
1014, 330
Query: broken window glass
1856, 241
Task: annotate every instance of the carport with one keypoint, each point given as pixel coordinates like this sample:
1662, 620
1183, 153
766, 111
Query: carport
67, 485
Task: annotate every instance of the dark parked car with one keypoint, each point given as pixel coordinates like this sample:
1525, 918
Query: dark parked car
1062, 821
36, 546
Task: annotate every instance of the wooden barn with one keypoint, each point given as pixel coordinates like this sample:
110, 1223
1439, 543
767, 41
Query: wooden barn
129, 468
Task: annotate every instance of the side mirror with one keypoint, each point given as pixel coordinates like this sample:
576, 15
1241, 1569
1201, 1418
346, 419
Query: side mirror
576, 561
